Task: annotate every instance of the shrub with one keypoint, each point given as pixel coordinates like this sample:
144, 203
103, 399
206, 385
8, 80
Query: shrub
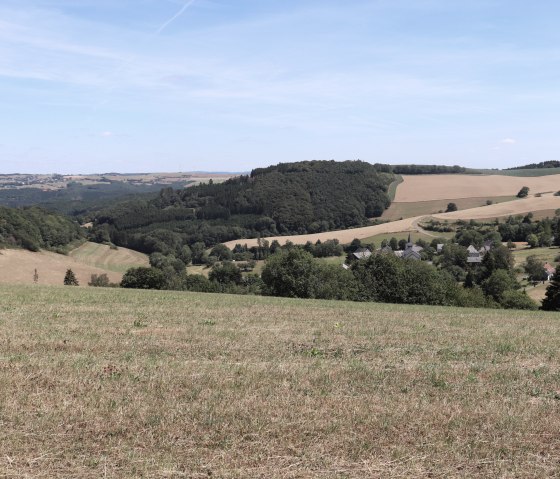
144, 278
523, 192
101, 280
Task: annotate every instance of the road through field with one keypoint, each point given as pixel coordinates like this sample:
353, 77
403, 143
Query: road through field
515, 207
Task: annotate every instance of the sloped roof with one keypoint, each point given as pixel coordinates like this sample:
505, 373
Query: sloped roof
361, 253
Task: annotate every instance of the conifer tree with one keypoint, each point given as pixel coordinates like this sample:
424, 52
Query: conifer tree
70, 278
551, 301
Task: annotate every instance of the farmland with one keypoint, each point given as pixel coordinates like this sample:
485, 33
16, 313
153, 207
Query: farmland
17, 266
416, 208
117, 383
447, 187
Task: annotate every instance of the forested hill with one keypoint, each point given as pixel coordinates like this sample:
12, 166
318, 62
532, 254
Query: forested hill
541, 165
289, 198
34, 228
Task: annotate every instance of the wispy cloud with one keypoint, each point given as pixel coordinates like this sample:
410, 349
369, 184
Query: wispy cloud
508, 141
174, 17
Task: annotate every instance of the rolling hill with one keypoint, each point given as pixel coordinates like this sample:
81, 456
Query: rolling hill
17, 266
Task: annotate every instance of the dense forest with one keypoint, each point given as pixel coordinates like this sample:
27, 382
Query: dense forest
34, 228
289, 198
420, 169
536, 166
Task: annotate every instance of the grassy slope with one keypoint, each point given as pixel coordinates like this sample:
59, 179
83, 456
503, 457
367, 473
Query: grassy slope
115, 383
102, 256
17, 266
407, 209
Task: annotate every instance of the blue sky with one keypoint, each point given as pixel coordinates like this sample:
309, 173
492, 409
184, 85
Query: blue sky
176, 85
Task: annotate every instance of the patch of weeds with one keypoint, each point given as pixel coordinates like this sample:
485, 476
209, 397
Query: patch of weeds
207, 323
111, 372
437, 381
504, 348
538, 372
139, 324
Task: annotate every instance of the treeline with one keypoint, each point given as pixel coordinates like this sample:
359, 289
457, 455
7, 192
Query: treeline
420, 169
520, 228
291, 271
536, 166
289, 198
34, 228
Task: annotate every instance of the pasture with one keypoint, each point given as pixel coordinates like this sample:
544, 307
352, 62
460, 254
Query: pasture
121, 383
104, 257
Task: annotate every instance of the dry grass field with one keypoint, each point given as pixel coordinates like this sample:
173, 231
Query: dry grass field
417, 208
102, 256
120, 384
546, 204
17, 266
447, 187
344, 236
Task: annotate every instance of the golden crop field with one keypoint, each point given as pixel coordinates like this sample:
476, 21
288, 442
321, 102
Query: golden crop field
447, 187
18, 266
119, 383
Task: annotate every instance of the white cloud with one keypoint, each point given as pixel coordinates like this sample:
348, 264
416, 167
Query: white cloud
106, 134
508, 141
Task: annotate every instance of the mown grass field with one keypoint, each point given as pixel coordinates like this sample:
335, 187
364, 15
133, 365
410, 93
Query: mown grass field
116, 383
417, 208
102, 256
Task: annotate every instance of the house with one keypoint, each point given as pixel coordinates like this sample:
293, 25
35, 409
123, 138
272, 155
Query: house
439, 248
362, 253
474, 255
477, 255
549, 271
386, 250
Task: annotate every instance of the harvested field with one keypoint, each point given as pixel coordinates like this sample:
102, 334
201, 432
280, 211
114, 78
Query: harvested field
344, 236
406, 210
547, 203
449, 187
116, 383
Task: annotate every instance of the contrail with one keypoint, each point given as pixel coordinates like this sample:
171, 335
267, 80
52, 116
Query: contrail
174, 17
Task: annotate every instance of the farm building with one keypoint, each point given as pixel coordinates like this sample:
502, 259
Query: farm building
362, 253
549, 270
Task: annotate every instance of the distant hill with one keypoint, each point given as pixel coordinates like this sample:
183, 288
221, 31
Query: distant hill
289, 198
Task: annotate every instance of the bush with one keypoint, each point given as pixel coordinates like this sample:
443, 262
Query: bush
517, 300
451, 207
144, 278
523, 192
101, 280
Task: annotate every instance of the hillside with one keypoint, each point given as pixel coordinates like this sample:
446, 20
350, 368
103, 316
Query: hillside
117, 383
17, 266
289, 198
